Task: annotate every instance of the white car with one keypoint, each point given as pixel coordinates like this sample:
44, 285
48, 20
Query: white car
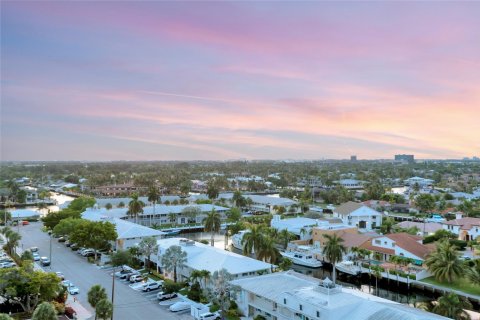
36, 256
152, 286
180, 306
136, 278
210, 316
71, 288
87, 252
60, 275
166, 296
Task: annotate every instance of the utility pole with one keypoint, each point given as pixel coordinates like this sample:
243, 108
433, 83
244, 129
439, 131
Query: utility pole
50, 250
113, 290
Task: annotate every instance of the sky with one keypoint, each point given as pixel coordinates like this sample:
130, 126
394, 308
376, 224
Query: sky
200, 80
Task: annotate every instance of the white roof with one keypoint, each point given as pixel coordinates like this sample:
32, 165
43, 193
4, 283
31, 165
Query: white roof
125, 229
205, 257
364, 211
116, 201
270, 200
294, 224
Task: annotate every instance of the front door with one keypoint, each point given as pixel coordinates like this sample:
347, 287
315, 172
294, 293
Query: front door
362, 225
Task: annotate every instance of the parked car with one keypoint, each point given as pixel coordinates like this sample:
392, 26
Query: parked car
74, 246
36, 256
80, 250
87, 252
180, 306
60, 275
71, 288
166, 296
152, 286
127, 275
25, 223
45, 261
7, 264
34, 249
68, 243
210, 316
136, 278
62, 239
125, 270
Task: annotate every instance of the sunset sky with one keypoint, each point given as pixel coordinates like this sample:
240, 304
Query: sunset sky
251, 80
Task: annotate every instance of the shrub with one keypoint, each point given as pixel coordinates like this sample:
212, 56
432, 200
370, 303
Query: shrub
69, 312
460, 244
60, 307
169, 286
195, 292
204, 241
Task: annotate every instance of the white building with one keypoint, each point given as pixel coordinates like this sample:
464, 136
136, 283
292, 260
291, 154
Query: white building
205, 257
359, 215
299, 226
466, 228
422, 182
351, 183
115, 202
129, 233
290, 295
270, 204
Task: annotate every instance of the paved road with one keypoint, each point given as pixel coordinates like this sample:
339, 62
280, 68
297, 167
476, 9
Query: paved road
129, 304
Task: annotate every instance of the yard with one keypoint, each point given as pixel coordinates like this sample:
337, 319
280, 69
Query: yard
460, 285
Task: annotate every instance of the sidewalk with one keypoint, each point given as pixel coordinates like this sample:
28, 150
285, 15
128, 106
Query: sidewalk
82, 313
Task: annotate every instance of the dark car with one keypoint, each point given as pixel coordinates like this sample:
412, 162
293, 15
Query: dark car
45, 261
62, 239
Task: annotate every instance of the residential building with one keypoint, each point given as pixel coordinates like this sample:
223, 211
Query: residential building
290, 295
350, 183
268, 204
358, 215
466, 228
424, 229
351, 237
114, 190
301, 227
399, 244
129, 234
116, 201
31, 194
422, 182
205, 257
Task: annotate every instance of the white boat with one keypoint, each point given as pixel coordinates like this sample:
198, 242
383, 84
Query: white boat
348, 267
237, 239
302, 255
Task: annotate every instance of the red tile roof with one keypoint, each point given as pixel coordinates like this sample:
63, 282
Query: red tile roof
410, 243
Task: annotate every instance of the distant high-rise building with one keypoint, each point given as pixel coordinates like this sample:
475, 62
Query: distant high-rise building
353, 158
404, 157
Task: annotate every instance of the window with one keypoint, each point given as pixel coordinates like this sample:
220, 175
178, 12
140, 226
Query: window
284, 301
378, 242
318, 314
393, 244
301, 307
385, 242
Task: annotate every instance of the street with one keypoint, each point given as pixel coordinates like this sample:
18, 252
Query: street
129, 304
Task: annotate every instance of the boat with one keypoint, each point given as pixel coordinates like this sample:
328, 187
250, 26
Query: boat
237, 239
302, 255
171, 232
348, 267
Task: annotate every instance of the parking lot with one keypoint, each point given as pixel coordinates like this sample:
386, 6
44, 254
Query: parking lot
129, 304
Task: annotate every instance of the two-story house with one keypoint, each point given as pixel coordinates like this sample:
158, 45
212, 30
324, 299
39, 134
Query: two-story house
466, 228
358, 215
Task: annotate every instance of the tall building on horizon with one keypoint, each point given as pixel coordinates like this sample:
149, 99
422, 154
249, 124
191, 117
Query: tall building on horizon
405, 158
353, 158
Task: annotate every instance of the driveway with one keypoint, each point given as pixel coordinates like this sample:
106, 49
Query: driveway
129, 304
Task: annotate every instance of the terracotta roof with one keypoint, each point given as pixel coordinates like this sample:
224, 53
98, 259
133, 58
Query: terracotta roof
348, 207
410, 243
368, 245
353, 239
464, 223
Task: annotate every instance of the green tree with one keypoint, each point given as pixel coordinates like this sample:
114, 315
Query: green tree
444, 263
191, 212
94, 234
51, 220
5, 216
96, 294
425, 202
172, 217
252, 240
66, 226
45, 311
108, 206
27, 287
135, 206
473, 273
212, 190
148, 246
221, 290
104, 309
173, 259
374, 190
27, 256
234, 215
4, 316
212, 223
285, 237
267, 251
377, 273
13, 238
238, 199
286, 264
334, 250
452, 306
387, 225
153, 197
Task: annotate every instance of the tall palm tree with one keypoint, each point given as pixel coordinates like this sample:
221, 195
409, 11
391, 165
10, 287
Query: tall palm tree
173, 259
444, 263
212, 224
334, 250
377, 273
195, 276
285, 237
452, 306
135, 206
267, 251
252, 240
95, 294
205, 274
153, 197
172, 217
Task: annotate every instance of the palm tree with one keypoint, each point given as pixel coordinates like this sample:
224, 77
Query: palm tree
205, 275
285, 237
104, 309
153, 197
267, 251
444, 263
377, 273
252, 240
212, 191
147, 247
334, 250
212, 224
195, 275
95, 294
172, 217
13, 238
135, 206
173, 259
45, 311
452, 306
473, 273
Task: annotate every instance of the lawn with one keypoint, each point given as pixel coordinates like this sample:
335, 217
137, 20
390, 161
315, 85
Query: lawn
460, 285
